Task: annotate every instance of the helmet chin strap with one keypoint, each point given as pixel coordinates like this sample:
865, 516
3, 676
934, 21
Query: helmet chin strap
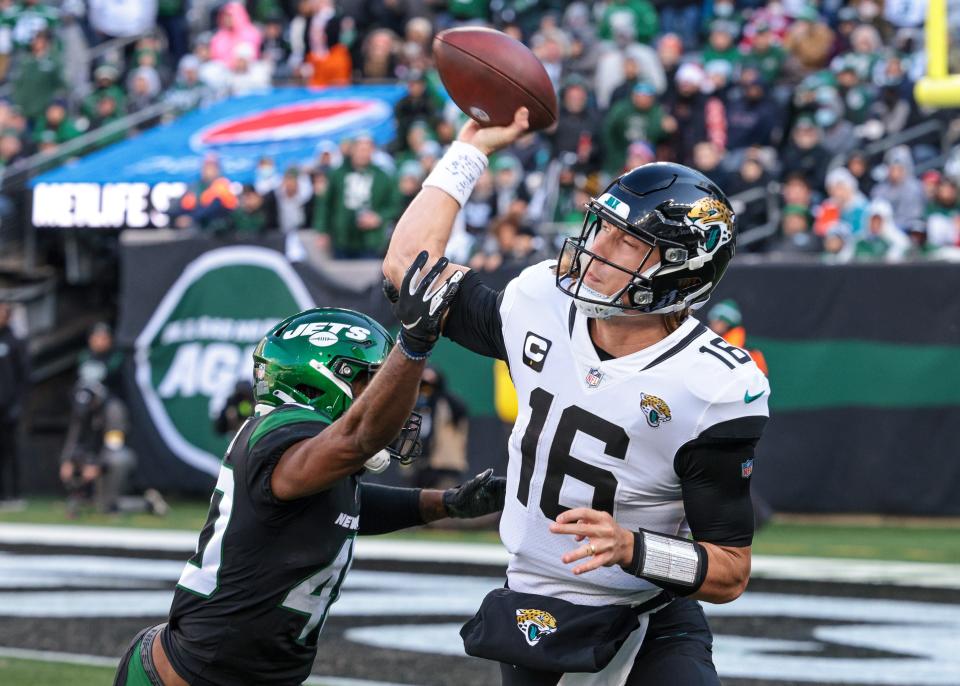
378, 463
593, 310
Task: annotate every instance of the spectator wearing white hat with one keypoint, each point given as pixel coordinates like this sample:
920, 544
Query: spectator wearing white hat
248, 74
143, 88
880, 239
844, 204
188, 91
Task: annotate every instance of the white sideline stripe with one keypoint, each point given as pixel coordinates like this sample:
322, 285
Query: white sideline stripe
64, 658
111, 662
924, 574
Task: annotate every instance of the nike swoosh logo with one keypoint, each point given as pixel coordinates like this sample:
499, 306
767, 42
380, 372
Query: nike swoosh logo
747, 398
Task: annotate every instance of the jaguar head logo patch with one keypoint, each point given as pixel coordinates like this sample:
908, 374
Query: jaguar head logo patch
713, 221
655, 410
535, 624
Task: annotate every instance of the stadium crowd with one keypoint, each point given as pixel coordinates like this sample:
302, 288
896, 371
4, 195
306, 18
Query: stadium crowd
781, 99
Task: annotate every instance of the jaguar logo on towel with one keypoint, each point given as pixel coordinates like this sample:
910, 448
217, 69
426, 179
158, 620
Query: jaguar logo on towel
535, 624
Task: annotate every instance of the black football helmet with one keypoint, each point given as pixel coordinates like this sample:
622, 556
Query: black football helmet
672, 208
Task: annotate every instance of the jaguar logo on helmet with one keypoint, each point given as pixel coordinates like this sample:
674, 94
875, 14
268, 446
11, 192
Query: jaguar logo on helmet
712, 219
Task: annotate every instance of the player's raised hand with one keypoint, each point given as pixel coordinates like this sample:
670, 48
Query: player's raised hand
421, 305
489, 139
607, 543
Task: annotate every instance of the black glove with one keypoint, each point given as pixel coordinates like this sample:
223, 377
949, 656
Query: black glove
420, 309
391, 293
481, 495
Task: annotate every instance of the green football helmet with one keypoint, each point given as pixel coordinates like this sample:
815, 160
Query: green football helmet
313, 357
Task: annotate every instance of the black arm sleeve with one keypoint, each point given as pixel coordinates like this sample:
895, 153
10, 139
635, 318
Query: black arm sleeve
385, 508
474, 319
714, 471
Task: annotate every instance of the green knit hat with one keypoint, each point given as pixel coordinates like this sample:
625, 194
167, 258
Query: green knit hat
726, 311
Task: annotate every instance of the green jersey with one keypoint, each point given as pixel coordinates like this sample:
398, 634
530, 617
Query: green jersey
251, 602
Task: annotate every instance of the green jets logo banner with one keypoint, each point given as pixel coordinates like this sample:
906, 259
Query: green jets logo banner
200, 339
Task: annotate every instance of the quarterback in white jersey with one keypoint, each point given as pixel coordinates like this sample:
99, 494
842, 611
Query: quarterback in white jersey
628, 483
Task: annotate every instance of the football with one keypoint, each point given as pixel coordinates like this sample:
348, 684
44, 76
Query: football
490, 75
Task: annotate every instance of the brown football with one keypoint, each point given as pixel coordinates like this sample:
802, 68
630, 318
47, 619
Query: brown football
490, 75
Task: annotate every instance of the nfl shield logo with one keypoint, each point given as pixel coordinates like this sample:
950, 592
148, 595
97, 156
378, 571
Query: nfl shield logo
746, 468
594, 376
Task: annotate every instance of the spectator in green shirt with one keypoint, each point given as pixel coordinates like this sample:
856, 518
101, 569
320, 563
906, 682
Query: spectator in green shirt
253, 216
59, 123
105, 86
857, 98
361, 203
640, 118
465, 10
765, 53
39, 78
640, 15
721, 45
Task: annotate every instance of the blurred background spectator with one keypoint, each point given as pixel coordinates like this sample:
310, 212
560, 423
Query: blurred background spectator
361, 201
880, 239
443, 434
96, 463
237, 408
207, 204
14, 387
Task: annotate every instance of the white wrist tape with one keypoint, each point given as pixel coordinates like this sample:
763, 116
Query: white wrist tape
458, 171
669, 559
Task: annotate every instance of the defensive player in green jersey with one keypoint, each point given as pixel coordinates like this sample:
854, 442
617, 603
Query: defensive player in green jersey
288, 504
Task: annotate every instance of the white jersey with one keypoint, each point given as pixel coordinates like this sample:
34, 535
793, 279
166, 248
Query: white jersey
604, 434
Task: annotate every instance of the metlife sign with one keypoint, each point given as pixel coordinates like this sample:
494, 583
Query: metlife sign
104, 206
135, 183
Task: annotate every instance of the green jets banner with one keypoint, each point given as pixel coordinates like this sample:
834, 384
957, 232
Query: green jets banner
199, 342
192, 312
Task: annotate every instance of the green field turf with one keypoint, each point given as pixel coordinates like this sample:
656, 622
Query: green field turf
36, 673
925, 541
17, 672
188, 514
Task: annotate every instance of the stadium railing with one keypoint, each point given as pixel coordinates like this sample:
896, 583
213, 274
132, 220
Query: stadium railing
16, 182
924, 130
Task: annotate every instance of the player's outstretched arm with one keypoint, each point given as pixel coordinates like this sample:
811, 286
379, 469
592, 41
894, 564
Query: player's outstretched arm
427, 222
376, 417
384, 509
